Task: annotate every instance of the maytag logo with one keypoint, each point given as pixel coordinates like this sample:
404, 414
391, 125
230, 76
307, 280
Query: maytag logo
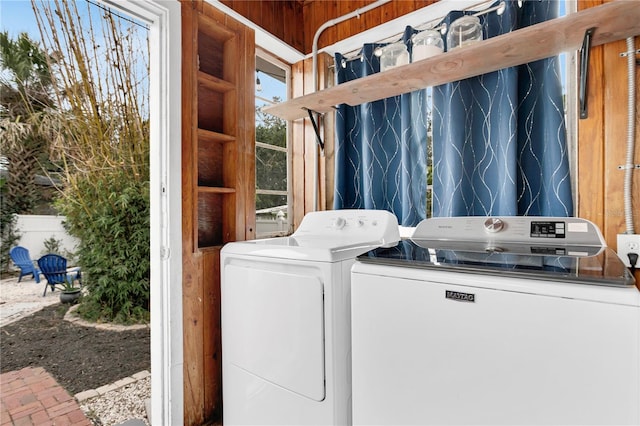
461, 297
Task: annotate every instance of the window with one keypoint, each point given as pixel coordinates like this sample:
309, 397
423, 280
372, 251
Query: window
272, 150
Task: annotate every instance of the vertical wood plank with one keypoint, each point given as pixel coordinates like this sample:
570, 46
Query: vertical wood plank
247, 202
233, 122
189, 118
192, 330
310, 146
591, 149
615, 114
327, 161
212, 336
297, 149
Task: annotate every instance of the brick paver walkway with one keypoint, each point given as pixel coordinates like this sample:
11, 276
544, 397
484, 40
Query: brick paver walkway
30, 397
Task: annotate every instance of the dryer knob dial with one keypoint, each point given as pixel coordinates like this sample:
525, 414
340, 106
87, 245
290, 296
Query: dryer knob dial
493, 225
338, 223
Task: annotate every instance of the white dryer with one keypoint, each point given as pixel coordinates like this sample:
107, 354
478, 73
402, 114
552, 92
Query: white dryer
513, 320
286, 319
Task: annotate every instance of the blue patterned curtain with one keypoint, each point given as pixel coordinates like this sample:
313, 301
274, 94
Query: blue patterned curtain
381, 147
499, 140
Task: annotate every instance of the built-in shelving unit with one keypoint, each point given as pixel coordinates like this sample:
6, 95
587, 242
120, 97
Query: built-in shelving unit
214, 138
612, 21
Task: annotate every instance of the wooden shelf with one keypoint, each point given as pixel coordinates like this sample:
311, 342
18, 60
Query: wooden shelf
215, 190
214, 137
214, 29
214, 83
613, 21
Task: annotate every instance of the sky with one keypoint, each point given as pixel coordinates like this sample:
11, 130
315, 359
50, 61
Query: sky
16, 16
270, 88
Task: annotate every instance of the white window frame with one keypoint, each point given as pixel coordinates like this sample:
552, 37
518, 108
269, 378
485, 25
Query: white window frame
266, 56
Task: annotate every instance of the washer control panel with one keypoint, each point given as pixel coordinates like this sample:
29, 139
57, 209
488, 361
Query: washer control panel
511, 229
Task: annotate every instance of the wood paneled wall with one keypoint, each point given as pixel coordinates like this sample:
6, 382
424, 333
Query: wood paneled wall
602, 141
296, 22
281, 18
304, 143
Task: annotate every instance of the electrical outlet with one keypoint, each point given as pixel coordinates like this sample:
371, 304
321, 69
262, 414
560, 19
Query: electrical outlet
628, 243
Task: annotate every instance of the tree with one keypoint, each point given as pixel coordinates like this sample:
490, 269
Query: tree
103, 148
271, 165
26, 93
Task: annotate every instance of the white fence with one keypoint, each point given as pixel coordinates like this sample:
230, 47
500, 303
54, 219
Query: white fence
35, 229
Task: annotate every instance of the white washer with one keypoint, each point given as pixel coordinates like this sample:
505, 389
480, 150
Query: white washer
286, 319
496, 321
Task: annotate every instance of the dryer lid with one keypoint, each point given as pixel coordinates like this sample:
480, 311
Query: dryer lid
327, 236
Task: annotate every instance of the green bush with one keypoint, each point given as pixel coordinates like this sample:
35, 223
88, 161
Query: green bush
112, 223
52, 245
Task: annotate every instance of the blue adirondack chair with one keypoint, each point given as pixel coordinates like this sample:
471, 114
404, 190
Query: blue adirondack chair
54, 269
22, 259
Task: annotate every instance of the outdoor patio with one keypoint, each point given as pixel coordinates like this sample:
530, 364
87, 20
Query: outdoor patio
32, 396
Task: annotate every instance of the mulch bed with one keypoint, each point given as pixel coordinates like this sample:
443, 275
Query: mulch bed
79, 358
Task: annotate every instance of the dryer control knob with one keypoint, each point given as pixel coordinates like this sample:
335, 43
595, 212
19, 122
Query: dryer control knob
338, 223
493, 225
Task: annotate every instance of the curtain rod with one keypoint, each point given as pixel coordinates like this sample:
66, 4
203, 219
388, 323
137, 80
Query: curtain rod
499, 9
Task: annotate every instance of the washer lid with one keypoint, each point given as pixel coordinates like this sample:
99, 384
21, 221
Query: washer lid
327, 236
568, 264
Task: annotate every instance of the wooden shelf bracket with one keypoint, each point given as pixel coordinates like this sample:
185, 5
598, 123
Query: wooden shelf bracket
584, 70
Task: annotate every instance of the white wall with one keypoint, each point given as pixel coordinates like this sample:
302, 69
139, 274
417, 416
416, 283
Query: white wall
35, 229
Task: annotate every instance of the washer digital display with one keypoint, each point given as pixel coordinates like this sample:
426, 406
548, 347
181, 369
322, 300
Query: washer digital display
548, 229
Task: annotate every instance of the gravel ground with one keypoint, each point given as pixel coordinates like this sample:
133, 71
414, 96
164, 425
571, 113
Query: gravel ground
118, 406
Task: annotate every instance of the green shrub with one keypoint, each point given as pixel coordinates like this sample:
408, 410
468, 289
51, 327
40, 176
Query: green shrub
114, 246
52, 245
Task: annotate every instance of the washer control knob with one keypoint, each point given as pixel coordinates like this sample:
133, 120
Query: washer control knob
493, 225
360, 223
338, 223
